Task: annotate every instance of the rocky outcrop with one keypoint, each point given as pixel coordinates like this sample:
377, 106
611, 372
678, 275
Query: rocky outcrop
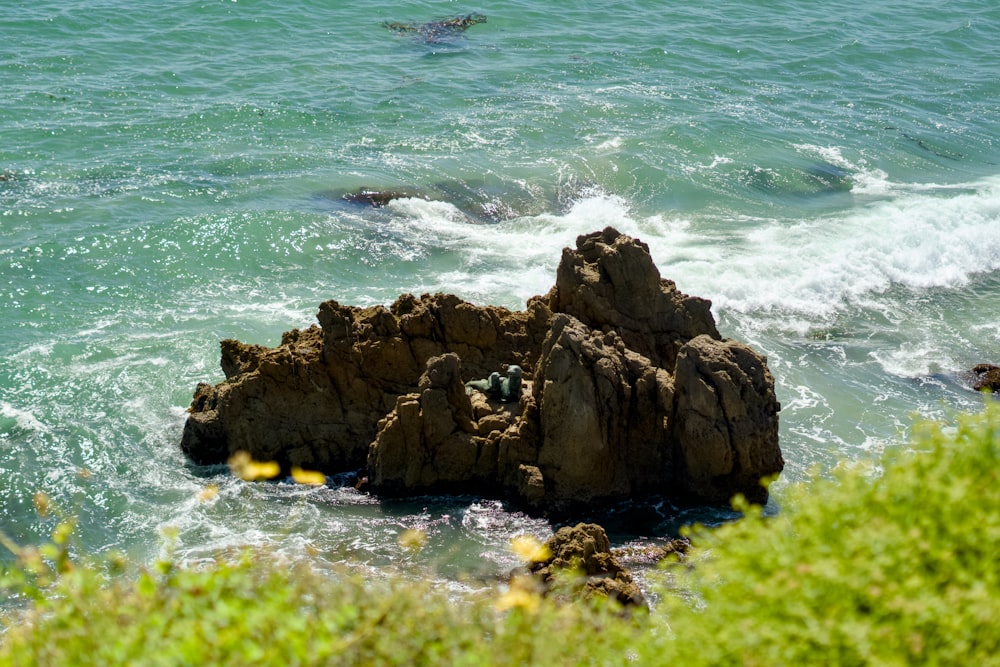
725, 420
986, 377
427, 439
600, 416
614, 286
628, 390
315, 401
582, 564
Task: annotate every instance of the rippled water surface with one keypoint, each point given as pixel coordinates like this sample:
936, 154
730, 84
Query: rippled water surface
171, 174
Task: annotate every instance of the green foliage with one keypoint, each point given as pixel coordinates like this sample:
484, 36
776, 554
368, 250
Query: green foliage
863, 568
255, 610
897, 567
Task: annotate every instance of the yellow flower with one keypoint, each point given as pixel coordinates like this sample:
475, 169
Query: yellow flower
210, 492
244, 467
308, 477
529, 549
413, 539
521, 594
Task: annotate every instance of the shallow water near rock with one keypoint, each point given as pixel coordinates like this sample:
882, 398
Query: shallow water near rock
827, 175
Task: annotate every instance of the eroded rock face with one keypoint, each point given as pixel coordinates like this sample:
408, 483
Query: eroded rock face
726, 420
601, 416
628, 391
610, 283
426, 442
316, 400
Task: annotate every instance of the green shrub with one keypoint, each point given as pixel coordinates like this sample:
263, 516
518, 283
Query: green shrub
897, 567
254, 610
862, 568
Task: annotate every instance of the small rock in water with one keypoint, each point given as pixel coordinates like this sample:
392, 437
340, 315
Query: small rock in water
583, 554
434, 32
987, 377
380, 198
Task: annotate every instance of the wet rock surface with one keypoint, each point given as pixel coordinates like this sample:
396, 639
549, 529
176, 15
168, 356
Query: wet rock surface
628, 390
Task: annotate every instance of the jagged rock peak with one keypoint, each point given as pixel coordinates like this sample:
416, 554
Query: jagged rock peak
611, 282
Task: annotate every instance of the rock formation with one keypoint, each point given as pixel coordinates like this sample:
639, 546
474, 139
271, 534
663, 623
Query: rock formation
582, 562
628, 390
986, 377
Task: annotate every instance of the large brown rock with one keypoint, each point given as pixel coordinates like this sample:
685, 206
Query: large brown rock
610, 283
629, 390
316, 400
986, 377
602, 412
726, 420
428, 440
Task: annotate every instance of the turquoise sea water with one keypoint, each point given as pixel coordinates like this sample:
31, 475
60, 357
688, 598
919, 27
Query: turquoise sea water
828, 174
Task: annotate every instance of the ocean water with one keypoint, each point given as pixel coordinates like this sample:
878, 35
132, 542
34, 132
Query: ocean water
171, 174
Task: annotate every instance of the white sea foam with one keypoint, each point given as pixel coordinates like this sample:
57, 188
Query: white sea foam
427, 210
35, 350
24, 419
794, 276
865, 179
871, 182
832, 154
818, 266
511, 262
915, 358
612, 144
806, 269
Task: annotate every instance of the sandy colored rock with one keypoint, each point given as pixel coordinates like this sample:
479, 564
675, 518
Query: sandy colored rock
316, 400
598, 412
725, 425
426, 443
611, 283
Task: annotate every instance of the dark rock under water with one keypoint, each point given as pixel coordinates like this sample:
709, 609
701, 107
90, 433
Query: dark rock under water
438, 31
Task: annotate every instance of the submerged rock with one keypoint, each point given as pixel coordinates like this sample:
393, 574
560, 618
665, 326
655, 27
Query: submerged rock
435, 32
478, 203
379, 198
627, 390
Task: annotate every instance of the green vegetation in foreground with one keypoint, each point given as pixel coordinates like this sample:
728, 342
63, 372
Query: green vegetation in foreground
862, 568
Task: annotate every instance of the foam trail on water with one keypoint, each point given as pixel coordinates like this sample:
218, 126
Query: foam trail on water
23, 419
512, 261
880, 276
816, 268
807, 270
